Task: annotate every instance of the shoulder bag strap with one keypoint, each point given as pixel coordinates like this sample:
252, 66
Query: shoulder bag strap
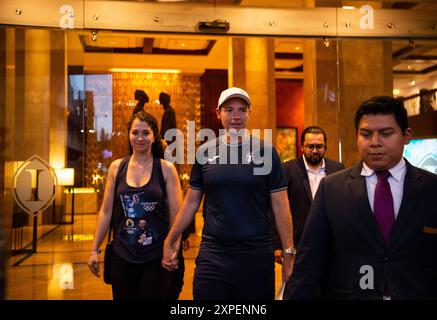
160, 175
114, 203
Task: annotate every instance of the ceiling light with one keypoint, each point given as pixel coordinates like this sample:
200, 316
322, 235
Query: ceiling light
94, 35
297, 48
396, 92
412, 83
348, 7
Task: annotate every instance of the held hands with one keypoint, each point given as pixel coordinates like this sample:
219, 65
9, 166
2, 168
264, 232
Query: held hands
93, 263
170, 253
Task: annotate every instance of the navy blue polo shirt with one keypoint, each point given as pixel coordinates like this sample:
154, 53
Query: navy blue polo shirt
237, 197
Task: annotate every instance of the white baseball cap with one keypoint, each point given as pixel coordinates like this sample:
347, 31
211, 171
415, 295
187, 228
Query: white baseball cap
233, 92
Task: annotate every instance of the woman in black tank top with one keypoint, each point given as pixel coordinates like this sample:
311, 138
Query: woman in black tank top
142, 196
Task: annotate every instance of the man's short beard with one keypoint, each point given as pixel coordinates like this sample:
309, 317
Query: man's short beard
314, 161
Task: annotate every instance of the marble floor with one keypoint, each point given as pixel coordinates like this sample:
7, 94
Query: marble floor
58, 270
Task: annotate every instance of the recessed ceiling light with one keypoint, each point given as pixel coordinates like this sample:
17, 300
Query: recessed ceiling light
297, 48
396, 92
412, 83
348, 7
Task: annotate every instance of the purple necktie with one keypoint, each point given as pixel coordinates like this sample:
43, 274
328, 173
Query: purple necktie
383, 205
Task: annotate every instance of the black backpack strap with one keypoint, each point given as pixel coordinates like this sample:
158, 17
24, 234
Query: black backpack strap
123, 163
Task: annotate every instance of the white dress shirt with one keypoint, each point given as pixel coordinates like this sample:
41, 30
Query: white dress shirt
315, 176
396, 181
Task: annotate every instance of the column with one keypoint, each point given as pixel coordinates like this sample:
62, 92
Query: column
36, 94
320, 90
58, 118
365, 70
338, 76
252, 68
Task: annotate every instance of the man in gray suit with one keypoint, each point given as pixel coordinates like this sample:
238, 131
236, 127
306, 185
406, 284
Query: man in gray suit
372, 229
303, 176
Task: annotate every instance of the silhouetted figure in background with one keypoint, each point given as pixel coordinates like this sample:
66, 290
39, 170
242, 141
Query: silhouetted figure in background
425, 101
142, 98
169, 117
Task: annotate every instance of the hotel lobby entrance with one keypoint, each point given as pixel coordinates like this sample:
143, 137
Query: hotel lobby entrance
66, 95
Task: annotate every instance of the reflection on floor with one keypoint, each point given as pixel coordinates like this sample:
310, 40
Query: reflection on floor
58, 270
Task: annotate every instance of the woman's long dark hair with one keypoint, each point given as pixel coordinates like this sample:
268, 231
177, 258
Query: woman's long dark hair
157, 147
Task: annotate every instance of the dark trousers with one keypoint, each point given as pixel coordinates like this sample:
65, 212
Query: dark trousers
234, 276
177, 281
144, 281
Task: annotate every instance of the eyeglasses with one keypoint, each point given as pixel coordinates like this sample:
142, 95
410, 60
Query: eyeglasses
318, 147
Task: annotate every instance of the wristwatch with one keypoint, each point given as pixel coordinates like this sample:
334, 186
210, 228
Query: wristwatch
291, 251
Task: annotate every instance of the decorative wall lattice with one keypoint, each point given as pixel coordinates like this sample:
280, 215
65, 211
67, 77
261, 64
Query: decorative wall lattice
185, 99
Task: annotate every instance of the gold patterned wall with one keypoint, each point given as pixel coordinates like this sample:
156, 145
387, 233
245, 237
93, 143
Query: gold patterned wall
185, 99
190, 110
124, 85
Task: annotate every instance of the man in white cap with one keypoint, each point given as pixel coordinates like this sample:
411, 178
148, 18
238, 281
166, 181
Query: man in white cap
235, 259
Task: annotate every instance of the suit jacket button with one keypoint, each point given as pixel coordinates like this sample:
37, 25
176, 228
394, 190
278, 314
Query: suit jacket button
385, 258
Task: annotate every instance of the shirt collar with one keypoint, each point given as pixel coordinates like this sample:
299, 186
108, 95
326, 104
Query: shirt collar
322, 166
396, 171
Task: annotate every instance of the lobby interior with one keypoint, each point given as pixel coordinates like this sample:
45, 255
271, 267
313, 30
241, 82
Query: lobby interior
66, 95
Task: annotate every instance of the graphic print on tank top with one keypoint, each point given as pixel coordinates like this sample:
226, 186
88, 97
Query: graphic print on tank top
138, 216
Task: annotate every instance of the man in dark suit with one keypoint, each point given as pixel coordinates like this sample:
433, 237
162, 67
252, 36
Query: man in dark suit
372, 229
303, 176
